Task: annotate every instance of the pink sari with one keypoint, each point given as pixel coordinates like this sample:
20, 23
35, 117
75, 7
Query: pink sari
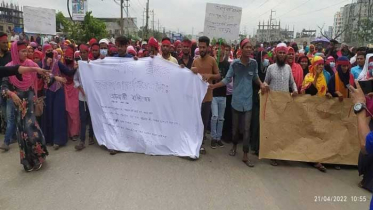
72, 107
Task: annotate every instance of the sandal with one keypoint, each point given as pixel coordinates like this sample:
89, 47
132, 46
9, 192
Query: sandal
274, 163
232, 152
320, 167
202, 151
248, 163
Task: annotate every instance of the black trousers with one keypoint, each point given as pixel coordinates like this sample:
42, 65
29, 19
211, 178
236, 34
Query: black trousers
245, 118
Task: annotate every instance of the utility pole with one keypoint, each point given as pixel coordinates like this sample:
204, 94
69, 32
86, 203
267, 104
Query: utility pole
128, 25
121, 18
158, 26
153, 21
147, 21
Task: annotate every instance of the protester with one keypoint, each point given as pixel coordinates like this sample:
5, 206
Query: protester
95, 51
179, 49
71, 95
219, 100
279, 76
312, 52
104, 44
316, 82
305, 48
367, 72
85, 117
364, 133
296, 69
153, 47
186, 58
360, 59
33, 150
131, 51
208, 68
244, 71
54, 119
332, 50
38, 56
330, 65
339, 82
112, 51
166, 53
122, 43
304, 62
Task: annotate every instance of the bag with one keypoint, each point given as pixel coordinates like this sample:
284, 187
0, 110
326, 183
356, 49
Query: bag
39, 106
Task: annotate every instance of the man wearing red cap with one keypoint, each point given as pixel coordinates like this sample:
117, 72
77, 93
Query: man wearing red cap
186, 59
279, 76
153, 46
244, 71
208, 68
166, 54
85, 117
179, 49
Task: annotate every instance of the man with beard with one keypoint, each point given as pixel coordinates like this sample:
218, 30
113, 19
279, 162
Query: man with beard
208, 68
186, 60
244, 71
279, 76
166, 54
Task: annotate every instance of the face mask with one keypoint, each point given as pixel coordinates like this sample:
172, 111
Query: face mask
332, 64
59, 57
266, 62
68, 61
103, 52
49, 55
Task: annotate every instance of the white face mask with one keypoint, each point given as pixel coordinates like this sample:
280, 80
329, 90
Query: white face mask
266, 62
332, 64
103, 52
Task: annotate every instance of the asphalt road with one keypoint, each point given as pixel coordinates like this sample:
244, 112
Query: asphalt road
92, 179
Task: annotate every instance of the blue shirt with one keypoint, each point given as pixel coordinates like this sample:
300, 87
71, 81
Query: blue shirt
125, 56
355, 71
369, 148
242, 95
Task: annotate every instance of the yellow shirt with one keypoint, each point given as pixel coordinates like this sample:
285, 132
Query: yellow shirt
171, 59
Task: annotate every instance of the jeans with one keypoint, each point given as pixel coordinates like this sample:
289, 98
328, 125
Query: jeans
217, 119
237, 118
11, 121
205, 113
85, 118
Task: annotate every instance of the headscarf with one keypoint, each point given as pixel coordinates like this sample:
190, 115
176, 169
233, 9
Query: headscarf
196, 53
345, 77
305, 58
329, 60
321, 83
153, 42
38, 54
296, 69
59, 50
92, 41
28, 79
53, 67
131, 50
32, 56
366, 73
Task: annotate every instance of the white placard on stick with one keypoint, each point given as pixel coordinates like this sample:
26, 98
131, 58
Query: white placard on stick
222, 21
39, 20
149, 106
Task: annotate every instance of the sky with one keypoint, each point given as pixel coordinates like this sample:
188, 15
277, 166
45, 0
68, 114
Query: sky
187, 16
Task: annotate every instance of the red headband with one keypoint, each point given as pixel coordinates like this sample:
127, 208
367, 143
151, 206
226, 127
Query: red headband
69, 52
187, 44
244, 42
304, 59
83, 47
283, 49
166, 42
4, 38
21, 47
345, 63
95, 47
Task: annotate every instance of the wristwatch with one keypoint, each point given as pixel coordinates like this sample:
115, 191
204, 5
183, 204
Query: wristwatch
358, 107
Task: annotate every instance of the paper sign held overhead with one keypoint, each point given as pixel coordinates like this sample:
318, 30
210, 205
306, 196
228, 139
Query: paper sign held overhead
222, 21
39, 20
80, 8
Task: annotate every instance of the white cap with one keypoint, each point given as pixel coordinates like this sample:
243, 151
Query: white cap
106, 41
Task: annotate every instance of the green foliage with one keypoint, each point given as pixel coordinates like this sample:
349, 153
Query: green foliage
364, 33
82, 31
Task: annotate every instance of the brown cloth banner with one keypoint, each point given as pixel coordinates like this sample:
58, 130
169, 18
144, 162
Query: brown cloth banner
308, 128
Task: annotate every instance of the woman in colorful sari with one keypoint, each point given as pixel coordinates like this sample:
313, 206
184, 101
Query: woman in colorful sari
330, 65
55, 116
296, 69
337, 86
71, 96
30, 52
22, 91
316, 83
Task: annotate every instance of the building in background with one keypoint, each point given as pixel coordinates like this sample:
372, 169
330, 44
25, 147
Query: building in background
113, 26
351, 21
305, 36
11, 18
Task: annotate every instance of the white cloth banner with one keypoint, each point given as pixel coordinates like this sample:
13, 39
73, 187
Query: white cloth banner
146, 106
39, 20
222, 21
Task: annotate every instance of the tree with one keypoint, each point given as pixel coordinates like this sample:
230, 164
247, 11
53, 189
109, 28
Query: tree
82, 31
364, 32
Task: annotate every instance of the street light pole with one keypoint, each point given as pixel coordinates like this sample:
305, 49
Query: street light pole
68, 9
121, 18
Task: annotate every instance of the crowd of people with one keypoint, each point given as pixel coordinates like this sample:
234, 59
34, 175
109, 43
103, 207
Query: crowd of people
51, 108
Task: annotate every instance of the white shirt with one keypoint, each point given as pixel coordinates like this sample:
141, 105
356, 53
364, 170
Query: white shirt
77, 83
14, 38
